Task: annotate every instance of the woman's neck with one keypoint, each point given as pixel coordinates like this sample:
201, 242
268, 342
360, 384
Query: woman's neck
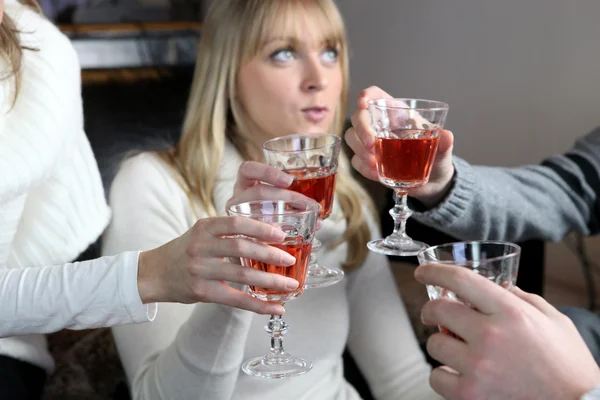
254, 152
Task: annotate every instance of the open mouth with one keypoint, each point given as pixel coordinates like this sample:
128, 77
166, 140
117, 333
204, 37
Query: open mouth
315, 114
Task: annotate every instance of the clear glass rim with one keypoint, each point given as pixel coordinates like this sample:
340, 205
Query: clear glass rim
516, 251
311, 207
336, 140
435, 104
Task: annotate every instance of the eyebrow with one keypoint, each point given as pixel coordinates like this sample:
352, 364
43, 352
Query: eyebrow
287, 39
328, 41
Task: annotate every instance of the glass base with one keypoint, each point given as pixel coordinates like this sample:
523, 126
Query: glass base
319, 277
278, 367
407, 249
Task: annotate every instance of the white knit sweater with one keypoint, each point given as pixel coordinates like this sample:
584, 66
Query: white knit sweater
52, 204
195, 351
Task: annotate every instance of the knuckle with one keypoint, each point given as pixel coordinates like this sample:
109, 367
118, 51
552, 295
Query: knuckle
562, 319
491, 335
271, 173
246, 168
517, 314
434, 345
243, 274
262, 192
463, 278
430, 311
482, 366
349, 135
201, 226
467, 390
236, 223
200, 291
239, 246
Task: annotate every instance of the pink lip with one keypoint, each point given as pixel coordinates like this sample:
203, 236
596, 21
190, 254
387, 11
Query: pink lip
315, 114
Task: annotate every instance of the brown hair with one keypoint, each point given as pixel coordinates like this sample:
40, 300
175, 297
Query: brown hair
232, 33
11, 49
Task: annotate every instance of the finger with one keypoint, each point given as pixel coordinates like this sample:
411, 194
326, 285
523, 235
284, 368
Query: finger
536, 301
449, 351
245, 248
365, 168
361, 121
471, 287
221, 293
232, 226
265, 192
457, 317
251, 172
446, 142
444, 382
364, 161
371, 93
355, 144
319, 224
222, 271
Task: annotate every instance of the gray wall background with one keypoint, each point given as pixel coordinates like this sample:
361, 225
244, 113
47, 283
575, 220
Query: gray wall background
522, 77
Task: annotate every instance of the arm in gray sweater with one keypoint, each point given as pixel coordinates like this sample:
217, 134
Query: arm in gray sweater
544, 201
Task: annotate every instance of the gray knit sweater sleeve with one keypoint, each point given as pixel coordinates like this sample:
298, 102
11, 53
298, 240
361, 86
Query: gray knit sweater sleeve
544, 201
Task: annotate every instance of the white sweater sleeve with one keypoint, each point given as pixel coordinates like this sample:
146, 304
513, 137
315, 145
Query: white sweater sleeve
593, 394
381, 338
83, 295
189, 351
51, 95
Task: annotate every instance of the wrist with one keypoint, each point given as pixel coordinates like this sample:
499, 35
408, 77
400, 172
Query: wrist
438, 192
586, 389
149, 284
587, 392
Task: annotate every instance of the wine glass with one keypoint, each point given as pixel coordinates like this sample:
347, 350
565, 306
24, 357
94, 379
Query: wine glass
495, 260
298, 220
313, 161
407, 132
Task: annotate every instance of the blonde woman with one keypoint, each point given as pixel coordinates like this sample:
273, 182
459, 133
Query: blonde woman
52, 207
265, 68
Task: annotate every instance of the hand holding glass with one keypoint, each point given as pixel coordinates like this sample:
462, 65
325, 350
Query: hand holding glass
313, 161
497, 261
298, 220
407, 132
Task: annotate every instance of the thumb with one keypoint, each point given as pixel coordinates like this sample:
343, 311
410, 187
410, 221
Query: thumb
443, 169
446, 143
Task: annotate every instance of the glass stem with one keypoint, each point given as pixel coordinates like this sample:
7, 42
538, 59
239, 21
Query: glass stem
312, 262
400, 213
277, 328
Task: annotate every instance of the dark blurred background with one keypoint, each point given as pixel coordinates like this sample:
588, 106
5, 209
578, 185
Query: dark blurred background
520, 79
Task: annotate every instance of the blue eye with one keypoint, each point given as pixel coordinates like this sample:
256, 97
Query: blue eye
282, 55
330, 55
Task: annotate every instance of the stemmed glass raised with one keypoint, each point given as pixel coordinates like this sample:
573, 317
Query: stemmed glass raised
298, 220
313, 161
407, 133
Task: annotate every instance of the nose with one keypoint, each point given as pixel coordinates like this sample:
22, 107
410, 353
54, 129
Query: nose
315, 75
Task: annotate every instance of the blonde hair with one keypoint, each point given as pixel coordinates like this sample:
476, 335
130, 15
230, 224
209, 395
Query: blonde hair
233, 32
11, 49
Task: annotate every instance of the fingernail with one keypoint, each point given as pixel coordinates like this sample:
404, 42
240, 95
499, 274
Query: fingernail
286, 180
278, 310
418, 273
291, 284
274, 309
423, 319
279, 234
288, 259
